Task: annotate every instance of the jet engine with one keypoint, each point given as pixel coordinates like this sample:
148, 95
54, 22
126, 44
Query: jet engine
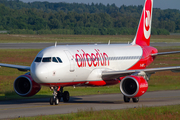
25, 86
133, 86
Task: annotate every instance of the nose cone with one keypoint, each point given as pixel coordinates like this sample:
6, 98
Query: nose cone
39, 72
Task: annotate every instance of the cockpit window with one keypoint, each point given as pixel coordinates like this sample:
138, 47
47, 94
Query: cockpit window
46, 59
38, 59
54, 60
59, 59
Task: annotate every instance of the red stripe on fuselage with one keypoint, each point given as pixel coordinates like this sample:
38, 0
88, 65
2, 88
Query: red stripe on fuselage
146, 58
84, 83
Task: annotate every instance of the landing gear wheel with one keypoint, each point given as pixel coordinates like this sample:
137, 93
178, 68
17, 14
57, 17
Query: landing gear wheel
56, 101
126, 99
59, 95
66, 96
135, 99
51, 100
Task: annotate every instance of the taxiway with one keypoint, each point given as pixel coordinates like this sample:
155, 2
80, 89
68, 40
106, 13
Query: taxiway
34, 107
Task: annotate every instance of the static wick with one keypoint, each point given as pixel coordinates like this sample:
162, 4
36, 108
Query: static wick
109, 42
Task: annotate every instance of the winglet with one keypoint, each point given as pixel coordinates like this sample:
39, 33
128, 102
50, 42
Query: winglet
143, 33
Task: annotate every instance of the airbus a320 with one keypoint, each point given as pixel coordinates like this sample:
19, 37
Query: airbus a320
94, 65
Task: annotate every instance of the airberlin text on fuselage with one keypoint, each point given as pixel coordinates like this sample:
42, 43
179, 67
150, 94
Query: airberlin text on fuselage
84, 59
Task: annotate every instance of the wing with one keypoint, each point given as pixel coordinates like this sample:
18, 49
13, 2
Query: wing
116, 74
110, 74
19, 67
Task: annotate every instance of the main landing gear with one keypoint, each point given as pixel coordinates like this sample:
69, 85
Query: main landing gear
58, 94
127, 99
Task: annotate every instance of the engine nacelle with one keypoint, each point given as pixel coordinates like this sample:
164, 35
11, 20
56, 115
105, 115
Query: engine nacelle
133, 86
25, 86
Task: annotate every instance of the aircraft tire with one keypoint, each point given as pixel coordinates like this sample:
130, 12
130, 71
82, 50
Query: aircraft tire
66, 96
126, 99
135, 100
56, 101
51, 100
59, 95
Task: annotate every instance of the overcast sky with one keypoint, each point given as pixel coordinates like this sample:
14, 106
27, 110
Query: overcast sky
163, 4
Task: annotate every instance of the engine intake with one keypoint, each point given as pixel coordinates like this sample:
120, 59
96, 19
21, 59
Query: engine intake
25, 86
133, 86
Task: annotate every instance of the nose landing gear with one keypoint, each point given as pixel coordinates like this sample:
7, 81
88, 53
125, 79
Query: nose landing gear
58, 94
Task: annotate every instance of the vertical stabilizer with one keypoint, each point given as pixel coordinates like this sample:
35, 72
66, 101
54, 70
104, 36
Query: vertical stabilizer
143, 33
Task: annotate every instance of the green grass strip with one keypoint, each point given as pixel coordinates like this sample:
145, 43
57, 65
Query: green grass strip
142, 113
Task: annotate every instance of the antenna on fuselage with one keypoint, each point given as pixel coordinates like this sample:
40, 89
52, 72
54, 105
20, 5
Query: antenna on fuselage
109, 42
55, 43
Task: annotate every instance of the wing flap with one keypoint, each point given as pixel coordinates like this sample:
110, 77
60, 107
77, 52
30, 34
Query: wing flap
19, 67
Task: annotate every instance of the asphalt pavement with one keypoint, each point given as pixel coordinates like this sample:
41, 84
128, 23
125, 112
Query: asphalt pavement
34, 107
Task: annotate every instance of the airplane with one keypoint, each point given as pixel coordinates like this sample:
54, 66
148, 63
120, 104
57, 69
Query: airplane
94, 65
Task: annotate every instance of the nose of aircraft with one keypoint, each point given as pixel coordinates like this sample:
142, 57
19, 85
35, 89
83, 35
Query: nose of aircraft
39, 73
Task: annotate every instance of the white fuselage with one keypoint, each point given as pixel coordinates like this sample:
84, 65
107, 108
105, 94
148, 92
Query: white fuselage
83, 63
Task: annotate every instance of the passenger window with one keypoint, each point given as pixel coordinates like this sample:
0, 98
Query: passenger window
54, 60
59, 59
46, 59
38, 59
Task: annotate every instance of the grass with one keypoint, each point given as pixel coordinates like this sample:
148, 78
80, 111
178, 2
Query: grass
4, 38
12, 38
141, 113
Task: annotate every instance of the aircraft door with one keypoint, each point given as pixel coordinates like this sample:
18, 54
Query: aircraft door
71, 60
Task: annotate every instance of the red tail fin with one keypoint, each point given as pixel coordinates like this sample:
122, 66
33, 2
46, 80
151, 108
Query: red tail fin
144, 29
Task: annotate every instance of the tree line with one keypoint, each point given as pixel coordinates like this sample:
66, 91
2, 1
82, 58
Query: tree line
89, 19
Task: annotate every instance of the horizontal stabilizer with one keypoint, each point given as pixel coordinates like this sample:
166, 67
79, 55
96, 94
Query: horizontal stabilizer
165, 53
